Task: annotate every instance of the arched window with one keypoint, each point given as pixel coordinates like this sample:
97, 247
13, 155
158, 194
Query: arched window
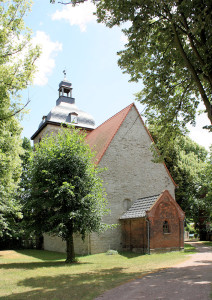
165, 227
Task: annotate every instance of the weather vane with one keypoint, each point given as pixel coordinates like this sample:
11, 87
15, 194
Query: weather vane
64, 72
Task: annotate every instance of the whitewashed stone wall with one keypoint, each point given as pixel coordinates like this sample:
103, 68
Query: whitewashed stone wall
55, 243
47, 130
130, 175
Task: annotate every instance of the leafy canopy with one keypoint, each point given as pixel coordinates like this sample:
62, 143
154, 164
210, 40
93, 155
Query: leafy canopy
170, 48
66, 194
16, 70
189, 166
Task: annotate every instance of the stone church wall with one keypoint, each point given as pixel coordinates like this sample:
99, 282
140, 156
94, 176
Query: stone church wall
47, 130
130, 175
55, 243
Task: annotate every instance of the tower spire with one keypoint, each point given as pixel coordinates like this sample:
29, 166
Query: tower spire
64, 72
65, 89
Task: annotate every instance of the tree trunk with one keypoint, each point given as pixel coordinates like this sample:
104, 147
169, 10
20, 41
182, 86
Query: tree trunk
70, 249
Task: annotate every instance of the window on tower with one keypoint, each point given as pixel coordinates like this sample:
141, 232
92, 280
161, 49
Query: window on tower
74, 117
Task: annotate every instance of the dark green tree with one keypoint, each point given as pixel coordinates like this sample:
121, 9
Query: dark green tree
66, 194
189, 166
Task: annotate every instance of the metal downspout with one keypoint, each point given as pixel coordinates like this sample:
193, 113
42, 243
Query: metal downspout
148, 236
183, 233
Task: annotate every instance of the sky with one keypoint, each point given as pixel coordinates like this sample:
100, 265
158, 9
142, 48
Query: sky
72, 40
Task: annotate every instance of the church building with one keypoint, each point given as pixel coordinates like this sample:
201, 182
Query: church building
140, 193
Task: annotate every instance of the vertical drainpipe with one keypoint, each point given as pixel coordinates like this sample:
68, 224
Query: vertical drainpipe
89, 246
148, 236
183, 232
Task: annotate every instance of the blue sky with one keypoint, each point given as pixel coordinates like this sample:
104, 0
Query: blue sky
71, 39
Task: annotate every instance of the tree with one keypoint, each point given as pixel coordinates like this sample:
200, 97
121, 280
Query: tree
170, 48
205, 203
17, 56
16, 70
66, 194
190, 168
10, 171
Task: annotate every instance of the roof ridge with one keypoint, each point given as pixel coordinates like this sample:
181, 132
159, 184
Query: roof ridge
149, 196
129, 106
120, 116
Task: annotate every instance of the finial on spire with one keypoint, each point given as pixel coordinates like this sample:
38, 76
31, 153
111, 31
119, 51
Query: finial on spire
64, 72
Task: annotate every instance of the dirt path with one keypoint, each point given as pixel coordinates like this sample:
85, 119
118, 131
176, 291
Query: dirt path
190, 280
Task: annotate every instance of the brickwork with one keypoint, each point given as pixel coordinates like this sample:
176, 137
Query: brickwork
161, 230
166, 210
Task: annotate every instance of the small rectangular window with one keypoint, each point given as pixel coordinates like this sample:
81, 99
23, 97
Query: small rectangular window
74, 118
165, 227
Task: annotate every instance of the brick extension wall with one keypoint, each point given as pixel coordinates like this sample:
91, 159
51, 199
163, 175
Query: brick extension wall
166, 209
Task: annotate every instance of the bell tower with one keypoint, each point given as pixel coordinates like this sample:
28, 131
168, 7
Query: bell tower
65, 89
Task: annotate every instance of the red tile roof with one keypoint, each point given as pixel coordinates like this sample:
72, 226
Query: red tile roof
100, 138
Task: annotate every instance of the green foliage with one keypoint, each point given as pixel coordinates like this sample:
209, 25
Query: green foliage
170, 48
189, 166
66, 194
10, 171
16, 69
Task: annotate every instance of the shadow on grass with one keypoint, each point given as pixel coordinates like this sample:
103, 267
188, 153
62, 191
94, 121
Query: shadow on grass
194, 280
207, 243
43, 254
36, 265
78, 286
130, 254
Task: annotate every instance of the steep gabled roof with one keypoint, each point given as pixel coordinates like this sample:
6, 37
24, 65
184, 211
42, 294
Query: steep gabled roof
146, 206
140, 207
100, 138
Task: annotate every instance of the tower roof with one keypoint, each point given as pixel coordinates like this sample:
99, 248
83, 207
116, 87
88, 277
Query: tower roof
66, 111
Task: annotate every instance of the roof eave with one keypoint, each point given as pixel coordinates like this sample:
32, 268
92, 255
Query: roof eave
56, 124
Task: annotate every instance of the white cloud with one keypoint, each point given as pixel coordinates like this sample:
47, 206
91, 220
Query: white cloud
46, 62
79, 15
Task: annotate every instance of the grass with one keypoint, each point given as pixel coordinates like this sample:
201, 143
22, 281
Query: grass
189, 248
207, 243
33, 274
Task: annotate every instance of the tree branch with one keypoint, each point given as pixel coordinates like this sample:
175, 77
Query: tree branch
190, 67
15, 113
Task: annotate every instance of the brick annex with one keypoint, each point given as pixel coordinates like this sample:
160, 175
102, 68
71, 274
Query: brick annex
140, 193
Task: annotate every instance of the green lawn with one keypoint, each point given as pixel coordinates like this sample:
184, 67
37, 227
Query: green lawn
207, 243
33, 274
